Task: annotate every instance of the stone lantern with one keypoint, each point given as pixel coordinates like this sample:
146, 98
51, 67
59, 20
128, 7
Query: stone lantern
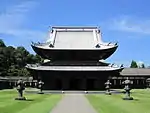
148, 82
127, 89
108, 83
40, 86
20, 87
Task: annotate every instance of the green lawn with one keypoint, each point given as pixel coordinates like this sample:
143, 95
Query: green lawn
114, 103
35, 103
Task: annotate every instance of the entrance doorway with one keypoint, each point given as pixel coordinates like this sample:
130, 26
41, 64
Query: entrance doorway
90, 84
58, 84
75, 84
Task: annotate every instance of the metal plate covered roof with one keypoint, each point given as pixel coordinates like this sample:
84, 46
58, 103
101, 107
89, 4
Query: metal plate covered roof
74, 39
135, 72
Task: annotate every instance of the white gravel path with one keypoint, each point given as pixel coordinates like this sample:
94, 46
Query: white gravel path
73, 103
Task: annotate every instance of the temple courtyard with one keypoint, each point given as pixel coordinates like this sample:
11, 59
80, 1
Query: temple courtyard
75, 102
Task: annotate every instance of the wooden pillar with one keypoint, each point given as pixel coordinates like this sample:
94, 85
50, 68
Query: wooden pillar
10, 84
120, 82
137, 81
30, 84
114, 81
15, 83
65, 83
84, 84
96, 84
144, 81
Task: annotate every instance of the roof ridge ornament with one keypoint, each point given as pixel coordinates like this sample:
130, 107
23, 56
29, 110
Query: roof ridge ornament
97, 46
109, 43
99, 31
51, 45
116, 43
121, 66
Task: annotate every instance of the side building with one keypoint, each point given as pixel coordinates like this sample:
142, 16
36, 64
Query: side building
139, 76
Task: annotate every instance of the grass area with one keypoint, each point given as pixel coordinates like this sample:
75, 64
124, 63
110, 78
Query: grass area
35, 103
114, 103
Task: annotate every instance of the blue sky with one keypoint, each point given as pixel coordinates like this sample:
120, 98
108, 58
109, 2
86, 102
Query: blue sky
124, 21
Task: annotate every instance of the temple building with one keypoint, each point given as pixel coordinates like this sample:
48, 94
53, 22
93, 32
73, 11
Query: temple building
75, 60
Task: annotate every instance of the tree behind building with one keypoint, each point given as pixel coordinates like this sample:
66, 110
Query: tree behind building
133, 64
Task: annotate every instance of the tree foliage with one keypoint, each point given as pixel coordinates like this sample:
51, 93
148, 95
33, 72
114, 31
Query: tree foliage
2, 44
13, 60
142, 66
133, 64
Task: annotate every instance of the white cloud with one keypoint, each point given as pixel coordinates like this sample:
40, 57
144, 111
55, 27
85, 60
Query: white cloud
15, 16
13, 20
28, 34
130, 24
140, 63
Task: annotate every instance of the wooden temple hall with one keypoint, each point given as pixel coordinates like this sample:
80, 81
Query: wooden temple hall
75, 60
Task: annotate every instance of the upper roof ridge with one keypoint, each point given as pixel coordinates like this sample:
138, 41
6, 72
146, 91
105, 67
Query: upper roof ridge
75, 27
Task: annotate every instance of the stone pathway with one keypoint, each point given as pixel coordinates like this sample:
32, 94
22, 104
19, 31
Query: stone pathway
73, 103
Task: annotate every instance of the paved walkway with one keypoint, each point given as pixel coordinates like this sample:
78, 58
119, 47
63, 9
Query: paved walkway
73, 103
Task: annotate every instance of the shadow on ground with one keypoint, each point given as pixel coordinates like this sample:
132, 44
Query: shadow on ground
73, 92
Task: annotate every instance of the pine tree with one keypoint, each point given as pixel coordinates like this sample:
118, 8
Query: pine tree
142, 66
133, 64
